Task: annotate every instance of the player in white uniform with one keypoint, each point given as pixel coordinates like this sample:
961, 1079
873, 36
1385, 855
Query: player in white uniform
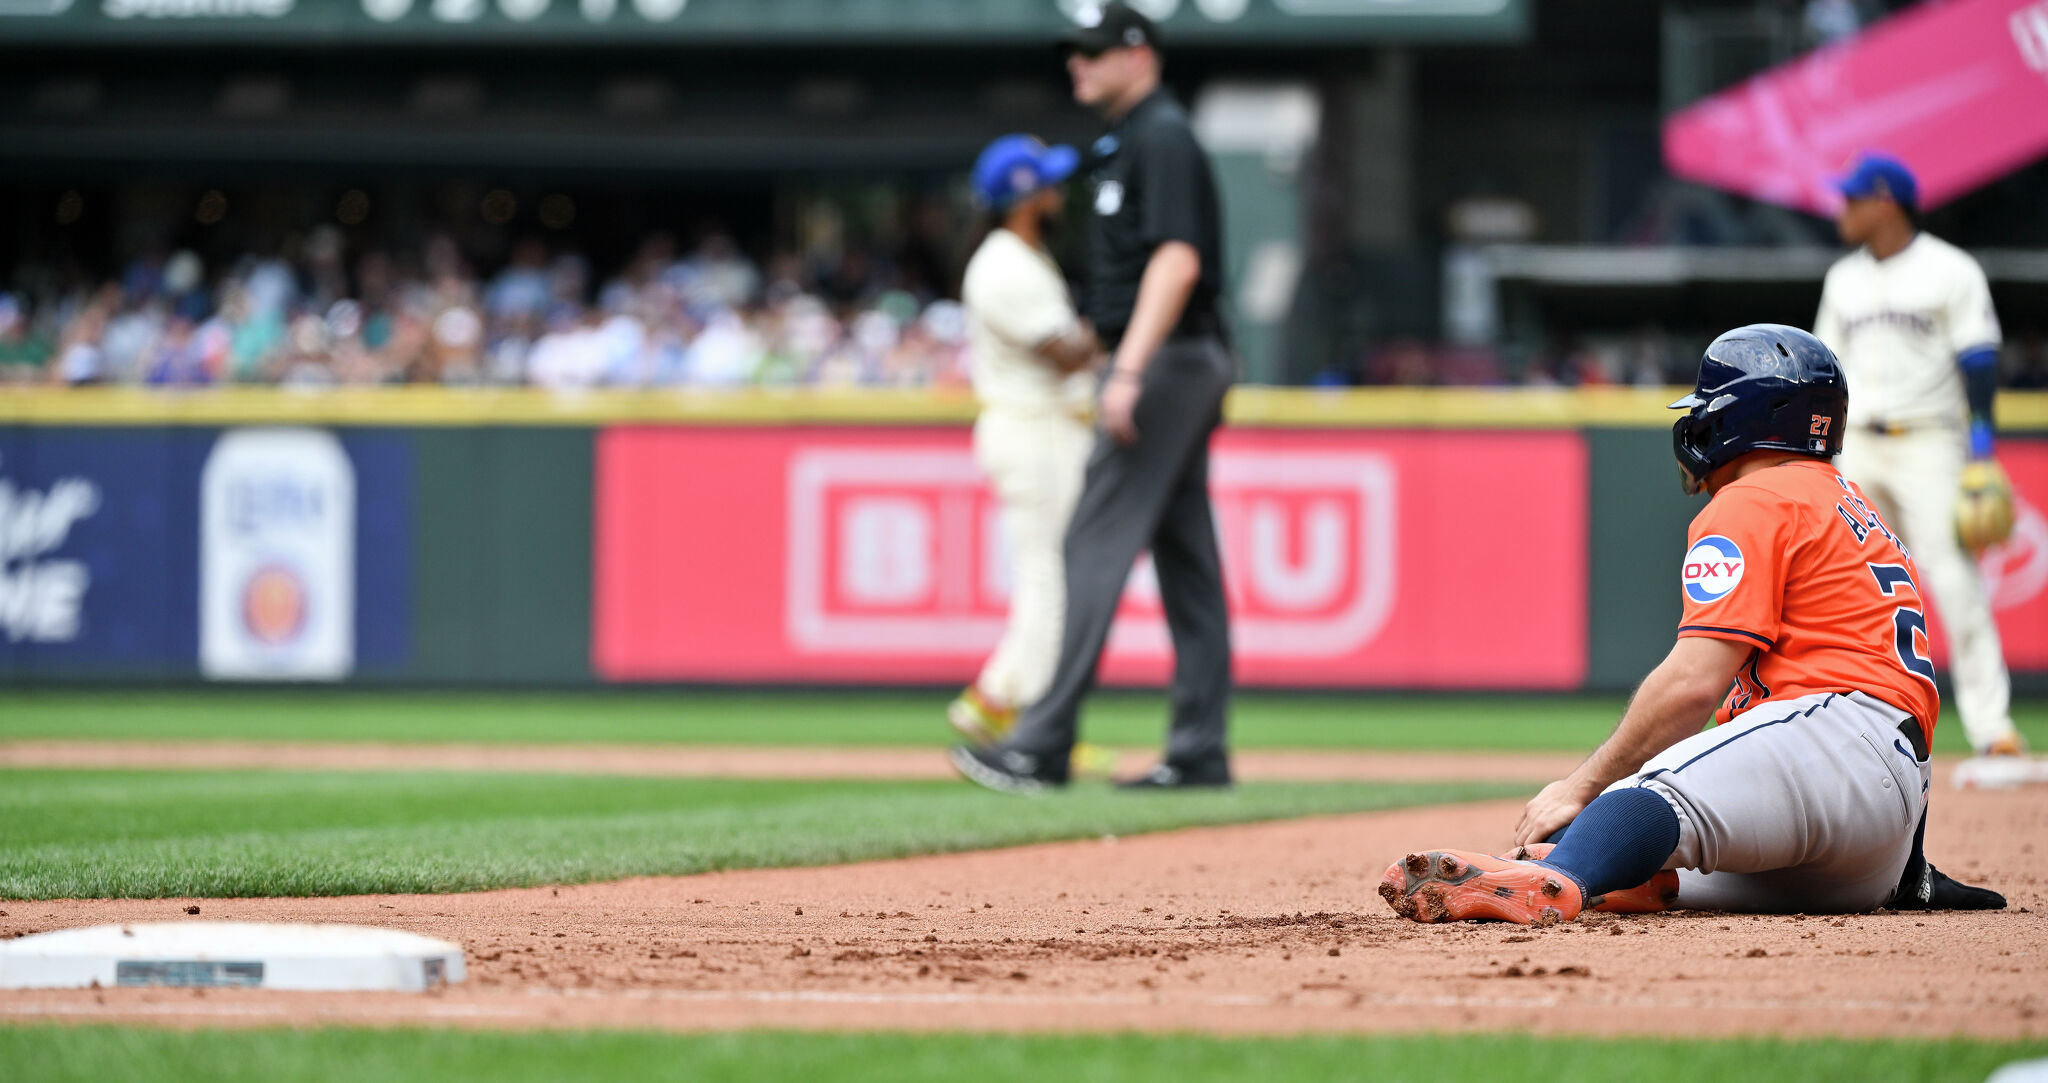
1910, 317
1029, 353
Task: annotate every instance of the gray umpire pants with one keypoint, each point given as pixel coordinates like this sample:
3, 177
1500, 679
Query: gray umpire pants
1153, 493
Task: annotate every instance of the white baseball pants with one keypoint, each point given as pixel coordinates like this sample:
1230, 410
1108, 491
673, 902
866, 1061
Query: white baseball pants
1034, 461
1804, 805
1914, 478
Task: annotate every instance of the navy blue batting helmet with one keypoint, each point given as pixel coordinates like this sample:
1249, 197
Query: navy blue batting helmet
1765, 387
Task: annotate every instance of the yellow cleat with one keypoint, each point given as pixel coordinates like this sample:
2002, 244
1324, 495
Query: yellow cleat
978, 718
1092, 761
983, 722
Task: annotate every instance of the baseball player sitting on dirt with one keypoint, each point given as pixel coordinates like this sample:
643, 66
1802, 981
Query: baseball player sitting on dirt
1803, 622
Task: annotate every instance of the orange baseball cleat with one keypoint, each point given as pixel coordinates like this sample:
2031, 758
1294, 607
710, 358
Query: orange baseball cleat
1658, 894
1457, 885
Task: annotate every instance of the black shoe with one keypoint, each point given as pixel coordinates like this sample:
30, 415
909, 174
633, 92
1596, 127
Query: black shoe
1007, 770
1212, 775
1936, 890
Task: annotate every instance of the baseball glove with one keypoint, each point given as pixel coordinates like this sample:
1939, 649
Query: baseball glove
1983, 506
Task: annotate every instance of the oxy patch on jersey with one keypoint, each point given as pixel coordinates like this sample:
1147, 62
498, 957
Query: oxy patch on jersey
1713, 568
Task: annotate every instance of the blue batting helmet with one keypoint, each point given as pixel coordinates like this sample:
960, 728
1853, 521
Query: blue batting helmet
1764, 387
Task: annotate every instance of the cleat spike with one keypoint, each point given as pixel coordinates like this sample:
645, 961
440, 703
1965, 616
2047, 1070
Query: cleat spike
1396, 900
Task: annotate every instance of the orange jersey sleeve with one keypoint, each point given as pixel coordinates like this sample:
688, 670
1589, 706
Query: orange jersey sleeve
1733, 577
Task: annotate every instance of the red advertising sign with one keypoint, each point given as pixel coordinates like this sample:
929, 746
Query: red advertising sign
1411, 559
2016, 573
1957, 90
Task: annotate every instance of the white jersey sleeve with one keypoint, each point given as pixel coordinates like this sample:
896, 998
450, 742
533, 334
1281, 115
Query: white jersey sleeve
1016, 300
1971, 321
1827, 323
1016, 293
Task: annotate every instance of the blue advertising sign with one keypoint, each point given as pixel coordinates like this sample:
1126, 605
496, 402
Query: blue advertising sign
100, 551
383, 460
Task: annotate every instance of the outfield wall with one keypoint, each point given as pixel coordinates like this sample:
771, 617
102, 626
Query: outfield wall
1373, 539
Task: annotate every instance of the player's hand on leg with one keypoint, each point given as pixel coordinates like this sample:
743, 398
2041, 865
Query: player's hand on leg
1555, 806
1120, 405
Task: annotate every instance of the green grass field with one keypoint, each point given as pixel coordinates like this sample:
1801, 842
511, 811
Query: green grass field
155, 833
396, 1056
1500, 722
70, 834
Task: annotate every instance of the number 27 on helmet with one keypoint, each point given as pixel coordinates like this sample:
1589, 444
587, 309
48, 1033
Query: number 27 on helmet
1764, 387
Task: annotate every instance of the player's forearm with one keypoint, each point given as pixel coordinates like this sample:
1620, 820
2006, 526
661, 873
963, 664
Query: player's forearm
1163, 293
1072, 350
1674, 701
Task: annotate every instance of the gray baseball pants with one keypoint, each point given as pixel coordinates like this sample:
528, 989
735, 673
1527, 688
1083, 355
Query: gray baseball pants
1804, 805
1153, 493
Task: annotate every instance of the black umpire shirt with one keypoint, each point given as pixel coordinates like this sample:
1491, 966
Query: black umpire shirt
1151, 184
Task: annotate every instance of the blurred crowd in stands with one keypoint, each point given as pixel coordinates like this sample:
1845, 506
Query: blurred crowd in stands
708, 317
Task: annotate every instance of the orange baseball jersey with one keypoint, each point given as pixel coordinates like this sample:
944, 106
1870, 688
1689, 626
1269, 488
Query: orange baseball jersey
1791, 560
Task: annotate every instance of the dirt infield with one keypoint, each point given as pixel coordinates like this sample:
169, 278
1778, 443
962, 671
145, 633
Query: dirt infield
1271, 928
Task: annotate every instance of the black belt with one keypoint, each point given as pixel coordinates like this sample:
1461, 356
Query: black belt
1204, 324
1901, 428
1915, 737
1199, 325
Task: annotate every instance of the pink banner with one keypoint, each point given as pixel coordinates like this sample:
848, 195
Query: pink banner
1402, 559
1959, 91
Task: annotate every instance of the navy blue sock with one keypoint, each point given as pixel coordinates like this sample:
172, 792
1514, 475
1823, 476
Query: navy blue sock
1621, 840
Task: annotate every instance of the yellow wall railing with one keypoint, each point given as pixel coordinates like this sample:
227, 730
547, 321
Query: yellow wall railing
1279, 407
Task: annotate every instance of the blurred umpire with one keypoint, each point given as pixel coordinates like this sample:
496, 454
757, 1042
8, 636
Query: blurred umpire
1155, 265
